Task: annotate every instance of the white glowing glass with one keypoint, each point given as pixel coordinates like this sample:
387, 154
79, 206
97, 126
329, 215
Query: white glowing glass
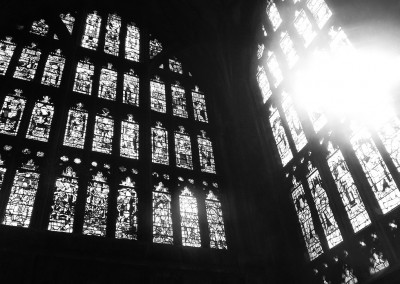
108, 83
27, 63
280, 136
304, 27
320, 11
189, 219
157, 95
263, 84
84, 77
53, 69
7, 48
111, 44
132, 43
273, 16
274, 69
90, 37
288, 49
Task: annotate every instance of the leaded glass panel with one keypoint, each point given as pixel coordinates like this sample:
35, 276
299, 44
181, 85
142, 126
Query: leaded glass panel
130, 138
162, 218
90, 38
108, 83
318, 118
263, 83
126, 227
260, 50
158, 99
215, 222
288, 49
155, 48
389, 133
53, 69
111, 45
274, 69
11, 113
189, 219
273, 16
304, 27
280, 136
68, 21
40, 28
131, 89
103, 133
132, 43
40, 123
199, 105
207, 162
179, 101
7, 48
159, 142
75, 131
175, 66
84, 77
320, 11
27, 63
183, 150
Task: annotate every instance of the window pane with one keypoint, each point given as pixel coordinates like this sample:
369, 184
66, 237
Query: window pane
162, 219
126, 227
273, 16
7, 48
111, 45
179, 100
84, 77
76, 127
159, 142
215, 222
69, 21
158, 99
130, 138
40, 123
288, 49
155, 48
263, 83
207, 162
92, 31
183, 150
27, 63
320, 11
103, 133
304, 27
132, 43
199, 105
131, 89
108, 83
175, 66
280, 136
189, 219
274, 69
11, 113
40, 28
53, 69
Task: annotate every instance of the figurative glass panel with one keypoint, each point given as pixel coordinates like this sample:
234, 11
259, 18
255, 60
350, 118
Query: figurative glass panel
27, 63
207, 162
126, 227
111, 45
131, 89
274, 69
130, 138
273, 16
215, 222
42, 116
39, 28
381, 181
293, 121
84, 77
11, 113
22, 196
103, 133
96, 206
189, 219
132, 43
155, 48
352, 201
162, 218
64, 201
76, 127
7, 48
2, 170
304, 27
178, 101
280, 136
389, 133
325, 214
311, 238
288, 49
183, 150
260, 51
159, 142
320, 11
90, 38
175, 66
108, 83
158, 99
263, 84
53, 69
199, 106
68, 21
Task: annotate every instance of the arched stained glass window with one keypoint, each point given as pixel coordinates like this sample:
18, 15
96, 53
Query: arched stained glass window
162, 218
288, 49
75, 131
304, 27
158, 97
280, 136
130, 138
155, 48
215, 222
103, 132
260, 51
11, 113
318, 118
40, 123
111, 45
131, 89
28, 62
7, 48
40, 28
339, 41
90, 37
274, 69
178, 100
320, 11
199, 105
126, 227
189, 219
159, 142
132, 43
69, 21
53, 69
84, 77
108, 83
183, 149
207, 162
263, 83
274, 16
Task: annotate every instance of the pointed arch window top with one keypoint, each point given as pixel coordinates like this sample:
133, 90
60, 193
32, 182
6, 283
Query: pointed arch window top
69, 21
40, 28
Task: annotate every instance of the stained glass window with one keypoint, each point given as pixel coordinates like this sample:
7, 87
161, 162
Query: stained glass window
215, 222
175, 66
159, 142
3, 168
320, 11
130, 138
126, 227
162, 218
274, 69
389, 133
108, 83
189, 219
311, 238
7, 48
352, 201
199, 105
293, 121
280, 136
260, 51
64, 201
273, 16
304, 27
84, 77
132, 43
27, 63
96, 206
325, 214
158, 99
339, 41
92, 31
131, 89
179, 100
111, 45
11, 113
53, 69
207, 162
40, 28
69, 21
288, 49
377, 262
76, 127
22, 196
318, 118
155, 48
103, 133
263, 83
42, 116
183, 149
381, 181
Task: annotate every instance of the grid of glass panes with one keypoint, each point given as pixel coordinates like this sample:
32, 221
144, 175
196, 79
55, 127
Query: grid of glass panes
183, 150
199, 106
53, 69
274, 69
40, 28
304, 27
131, 89
7, 48
274, 16
263, 83
189, 219
40, 123
84, 77
132, 43
158, 97
90, 37
111, 44
11, 114
207, 162
178, 101
280, 136
215, 222
126, 226
129, 138
103, 134
175, 66
320, 11
108, 83
27, 63
159, 144
162, 218
75, 131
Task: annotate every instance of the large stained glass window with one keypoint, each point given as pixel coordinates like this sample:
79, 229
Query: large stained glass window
27, 63
175, 66
280, 136
263, 83
215, 222
162, 218
158, 98
207, 162
7, 48
103, 133
130, 138
155, 48
11, 113
325, 214
352, 201
108, 83
389, 133
84, 77
126, 227
274, 69
288, 49
40, 123
178, 100
68, 21
90, 38
40, 28
75, 131
131, 89
183, 149
320, 11
53, 69
273, 16
199, 105
159, 142
189, 219
304, 27
111, 45
311, 238
132, 43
